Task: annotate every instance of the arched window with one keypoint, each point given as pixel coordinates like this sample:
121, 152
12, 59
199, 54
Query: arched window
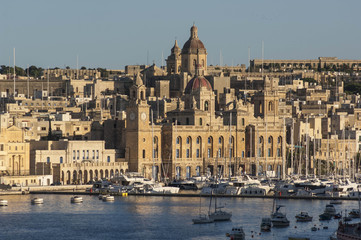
206, 106
48, 159
270, 106
194, 63
61, 159
200, 122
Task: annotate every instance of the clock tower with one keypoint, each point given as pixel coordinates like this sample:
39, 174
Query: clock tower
138, 127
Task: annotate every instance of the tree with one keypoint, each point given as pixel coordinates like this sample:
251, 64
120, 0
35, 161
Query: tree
35, 71
103, 72
83, 68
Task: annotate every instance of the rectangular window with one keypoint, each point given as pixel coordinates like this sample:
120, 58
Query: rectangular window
83, 154
97, 154
77, 154
93, 154
73, 154
143, 153
87, 154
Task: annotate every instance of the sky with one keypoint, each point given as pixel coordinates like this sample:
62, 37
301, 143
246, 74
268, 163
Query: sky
111, 34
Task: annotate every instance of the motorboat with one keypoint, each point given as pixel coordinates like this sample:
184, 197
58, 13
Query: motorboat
237, 233
108, 198
3, 202
266, 225
37, 201
303, 217
325, 216
100, 197
76, 199
279, 219
201, 219
330, 209
347, 231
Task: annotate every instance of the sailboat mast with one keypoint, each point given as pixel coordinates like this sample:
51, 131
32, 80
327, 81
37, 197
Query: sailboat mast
230, 145
14, 73
292, 167
307, 148
328, 155
284, 150
153, 168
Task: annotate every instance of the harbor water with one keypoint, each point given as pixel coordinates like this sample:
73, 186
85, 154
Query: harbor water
154, 217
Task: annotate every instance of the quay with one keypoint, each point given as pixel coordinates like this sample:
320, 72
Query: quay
193, 194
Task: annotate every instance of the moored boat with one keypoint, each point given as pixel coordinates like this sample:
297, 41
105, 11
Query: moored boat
325, 216
266, 225
279, 219
201, 219
37, 201
76, 199
237, 233
303, 217
108, 198
3, 202
347, 231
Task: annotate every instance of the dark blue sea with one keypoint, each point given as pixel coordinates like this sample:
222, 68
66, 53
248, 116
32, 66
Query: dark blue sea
140, 217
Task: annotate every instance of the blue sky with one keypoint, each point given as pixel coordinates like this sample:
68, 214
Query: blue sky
112, 34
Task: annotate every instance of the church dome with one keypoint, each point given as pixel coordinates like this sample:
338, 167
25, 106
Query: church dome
196, 83
193, 43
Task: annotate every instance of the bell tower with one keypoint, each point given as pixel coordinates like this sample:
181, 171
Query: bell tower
266, 101
137, 126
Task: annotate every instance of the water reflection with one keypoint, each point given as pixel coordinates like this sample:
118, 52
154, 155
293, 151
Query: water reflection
151, 218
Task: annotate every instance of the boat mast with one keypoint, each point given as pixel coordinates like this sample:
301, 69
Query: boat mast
153, 168
14, 73
292, 167
344, 154
328, 155
230, 146
284, 150
307, 148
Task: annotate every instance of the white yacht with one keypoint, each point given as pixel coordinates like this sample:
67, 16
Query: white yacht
37, 201
3, 202
279, 219
76, 199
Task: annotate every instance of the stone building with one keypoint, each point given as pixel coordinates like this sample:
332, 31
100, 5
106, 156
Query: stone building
192, 53
75, 161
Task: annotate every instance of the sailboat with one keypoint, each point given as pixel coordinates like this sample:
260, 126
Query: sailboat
218, 214
202, 218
